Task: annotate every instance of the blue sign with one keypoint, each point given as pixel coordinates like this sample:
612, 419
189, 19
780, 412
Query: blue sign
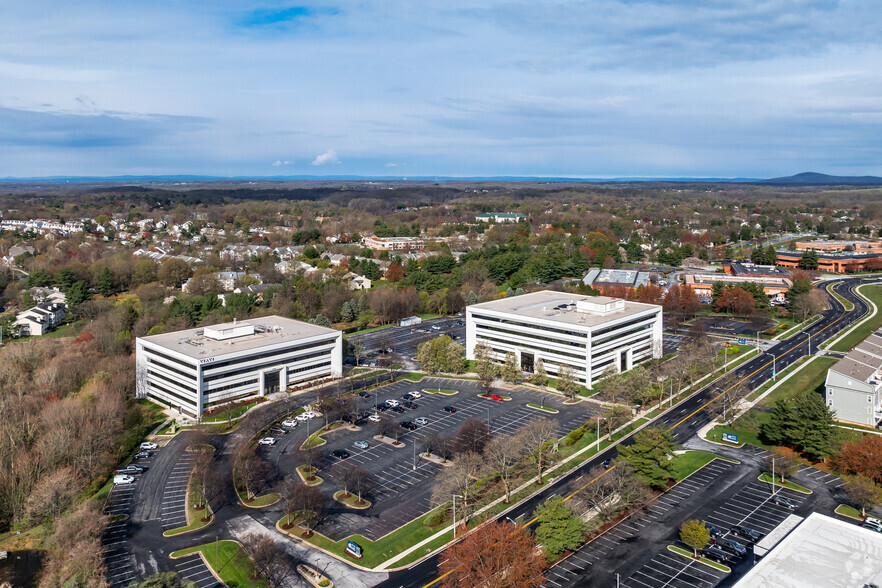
741, 341
353, 548
730, 437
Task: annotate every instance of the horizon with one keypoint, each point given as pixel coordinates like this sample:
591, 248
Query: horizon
465, 90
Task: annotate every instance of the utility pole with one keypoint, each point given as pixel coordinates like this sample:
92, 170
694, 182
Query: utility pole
773, 476
455, 496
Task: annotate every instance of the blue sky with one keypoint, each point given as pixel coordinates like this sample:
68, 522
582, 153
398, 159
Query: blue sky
553, 88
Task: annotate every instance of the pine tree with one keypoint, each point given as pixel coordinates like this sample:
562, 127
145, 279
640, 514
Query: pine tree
814, 426
777, 430
558, 528
347, 313
650, 456
320, 320
809, 260
106, 287
472, 298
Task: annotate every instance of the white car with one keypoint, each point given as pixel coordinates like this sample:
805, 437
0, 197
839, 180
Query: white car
304, 416
392, 402
421, 421
416, 394
289, 423
374, 418
267, 441
121, 479
149, 446
436, 328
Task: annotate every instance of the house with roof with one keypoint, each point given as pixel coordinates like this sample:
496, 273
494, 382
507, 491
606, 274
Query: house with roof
40, 319
854, 384
501, 217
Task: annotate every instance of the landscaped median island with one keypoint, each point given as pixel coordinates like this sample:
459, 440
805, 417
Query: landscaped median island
849, 511
767, 477
307, 473
699, 559
351, 500
228, 561
872, 292
435, 391
547, 409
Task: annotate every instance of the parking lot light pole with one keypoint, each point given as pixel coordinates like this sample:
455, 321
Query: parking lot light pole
773, 476
455, 496
488, 418
774, 371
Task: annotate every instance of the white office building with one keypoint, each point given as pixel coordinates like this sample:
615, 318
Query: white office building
196, 369
589, 333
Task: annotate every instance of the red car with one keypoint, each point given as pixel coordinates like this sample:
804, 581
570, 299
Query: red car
496, 397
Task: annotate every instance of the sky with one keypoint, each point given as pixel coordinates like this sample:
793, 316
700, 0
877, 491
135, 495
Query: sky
606, 88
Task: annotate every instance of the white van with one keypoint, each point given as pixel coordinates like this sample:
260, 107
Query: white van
120, 479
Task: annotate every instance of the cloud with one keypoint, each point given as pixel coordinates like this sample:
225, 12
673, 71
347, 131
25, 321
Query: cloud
328, 157
391, 165
279, 163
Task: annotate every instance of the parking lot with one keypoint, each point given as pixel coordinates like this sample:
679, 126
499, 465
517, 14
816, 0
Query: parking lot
117, 554
404, 340
174, 495
403, 479
193, 568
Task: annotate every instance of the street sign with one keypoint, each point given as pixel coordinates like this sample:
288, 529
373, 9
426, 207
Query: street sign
730, 437
556, 444
354, 548
741, 341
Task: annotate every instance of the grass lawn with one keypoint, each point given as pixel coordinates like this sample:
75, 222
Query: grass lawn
225, 416
417, 376
767, 477
370, 330
442, 391
260, 501
351, 500
848, 511
229, 561
688, 463
703, 560
863, 330
807, 379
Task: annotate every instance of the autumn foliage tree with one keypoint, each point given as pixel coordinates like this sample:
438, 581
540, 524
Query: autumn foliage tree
495, 555
862, 457
395, 272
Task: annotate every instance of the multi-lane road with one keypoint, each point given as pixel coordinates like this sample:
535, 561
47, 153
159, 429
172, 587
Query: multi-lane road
687, 418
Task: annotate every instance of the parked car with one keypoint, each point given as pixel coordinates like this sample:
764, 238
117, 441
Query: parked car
310, 415
715, 554
382, 407
302, 417
127, 471
134, 468
149, 445
122, 479
873, 521
279, 430
374, 418
398, 409
746, 532
782, 501
416, 394
361, 444
392, 402
410, 404
289, 423
364, 394
871, 527
267, 441
408, 425
142, 455
607, 463
406, 397
450, 409
340, 453
435, 328
496, 397
731, 546
714, 531
421, 421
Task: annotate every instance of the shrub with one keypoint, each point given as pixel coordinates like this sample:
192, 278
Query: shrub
574, 435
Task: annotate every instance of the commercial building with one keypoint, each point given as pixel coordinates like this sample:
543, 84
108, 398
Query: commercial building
835, 263
589, 333
854, 384
615, 277
393, 243
746, 268
196, 369
703, 284
821, 552
501, 217
831, 246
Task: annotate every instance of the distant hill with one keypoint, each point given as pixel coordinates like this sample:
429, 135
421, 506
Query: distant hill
813, 178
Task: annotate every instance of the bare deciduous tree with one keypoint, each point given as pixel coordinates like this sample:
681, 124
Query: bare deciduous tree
536, 437
502, 453
472, 436
458, 479
269, 559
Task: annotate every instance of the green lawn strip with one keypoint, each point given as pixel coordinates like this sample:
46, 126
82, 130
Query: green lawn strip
699, 559
863, 330
417, 376
260, 501
445, 392
376, 552
429, 316
685, 464
544, 408
369, 330
807, 379
228, 560
304, 470
849, 511
235, 413
767, 477
848, 305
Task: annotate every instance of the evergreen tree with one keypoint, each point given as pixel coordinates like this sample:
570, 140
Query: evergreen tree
472, 298
809, 260
558, 530
347, 313
814, 427
320, 320
106, 286
77, 294
776, 431
650, 456
362, 304
65, 278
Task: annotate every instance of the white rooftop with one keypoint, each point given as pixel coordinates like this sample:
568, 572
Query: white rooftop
227, 338
822, 552
561, 307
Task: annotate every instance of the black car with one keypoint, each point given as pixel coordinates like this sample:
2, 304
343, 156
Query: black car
717, 555
398, 409
410, 404
607, 463
364, 394
746, 532
340, 453
408, 425
731, 546
782, 501
383, 407
406, 397
714, 531
449, 409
